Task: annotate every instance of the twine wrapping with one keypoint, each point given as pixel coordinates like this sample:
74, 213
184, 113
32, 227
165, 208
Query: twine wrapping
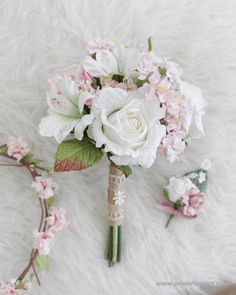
116, 196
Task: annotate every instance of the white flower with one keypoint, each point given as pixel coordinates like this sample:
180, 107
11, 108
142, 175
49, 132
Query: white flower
194, 94
66, 111
206, 164
202, 177
193, 175
43, 241
128, 126
17, 148
119, 198
105, 64
178, 188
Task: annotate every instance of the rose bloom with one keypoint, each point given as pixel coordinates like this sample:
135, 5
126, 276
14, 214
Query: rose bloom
17, 148
178, 188
43, 242
128, 126
57, 219
44, 186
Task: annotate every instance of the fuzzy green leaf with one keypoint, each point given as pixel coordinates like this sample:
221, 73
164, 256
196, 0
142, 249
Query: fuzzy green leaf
30, 159
202, 186
126, 170
162, 71
51, 201
76, 155
166, 194
42, 262
3, 149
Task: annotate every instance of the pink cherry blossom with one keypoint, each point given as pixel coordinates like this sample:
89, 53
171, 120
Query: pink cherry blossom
17, 148
57, 219
43, 242
172, 123
44, 186
98, 44
146, 66
9, 288
172, 146
193, 203
173, 70
75, 73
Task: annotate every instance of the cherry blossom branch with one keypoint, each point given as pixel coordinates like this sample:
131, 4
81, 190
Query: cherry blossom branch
44, 214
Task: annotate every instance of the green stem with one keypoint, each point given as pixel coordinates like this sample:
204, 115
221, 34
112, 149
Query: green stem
169, 219
119, 243
114, 244
150, 43
176, 207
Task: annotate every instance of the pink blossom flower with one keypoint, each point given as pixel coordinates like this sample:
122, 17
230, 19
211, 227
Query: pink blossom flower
57, 219
193, 203
17, 148
43, 242
173, 70
9, 288
172, 146
44, 186
173, 123
75, 73
146, 66
156, 87
98, 44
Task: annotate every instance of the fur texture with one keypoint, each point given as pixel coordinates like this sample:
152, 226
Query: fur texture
37, 38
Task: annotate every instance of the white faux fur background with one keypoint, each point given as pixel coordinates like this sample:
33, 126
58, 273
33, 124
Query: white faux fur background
38, 37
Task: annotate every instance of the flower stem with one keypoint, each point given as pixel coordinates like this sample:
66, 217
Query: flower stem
169, 220
114, 244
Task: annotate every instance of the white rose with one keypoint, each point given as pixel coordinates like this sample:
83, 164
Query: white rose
128, 126
178, 187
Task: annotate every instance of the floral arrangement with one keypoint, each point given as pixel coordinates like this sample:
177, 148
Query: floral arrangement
185, 195
52, 221
126, 103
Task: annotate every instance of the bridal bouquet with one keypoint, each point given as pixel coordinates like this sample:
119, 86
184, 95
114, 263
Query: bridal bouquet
126, 103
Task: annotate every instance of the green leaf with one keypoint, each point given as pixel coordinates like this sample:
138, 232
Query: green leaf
162, 71
139, 83
3, 149
21, 284
30, 159
42, 262
51, 201
126, 170
76, 155
203, 185
166, 194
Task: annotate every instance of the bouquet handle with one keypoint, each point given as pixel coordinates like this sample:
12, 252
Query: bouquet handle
116, 197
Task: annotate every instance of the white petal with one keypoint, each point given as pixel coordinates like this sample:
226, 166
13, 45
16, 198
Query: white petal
93, 68
195, 95
69, 89
110, 99
56, 125
84, 96
107, 61
60, 104
82, 124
